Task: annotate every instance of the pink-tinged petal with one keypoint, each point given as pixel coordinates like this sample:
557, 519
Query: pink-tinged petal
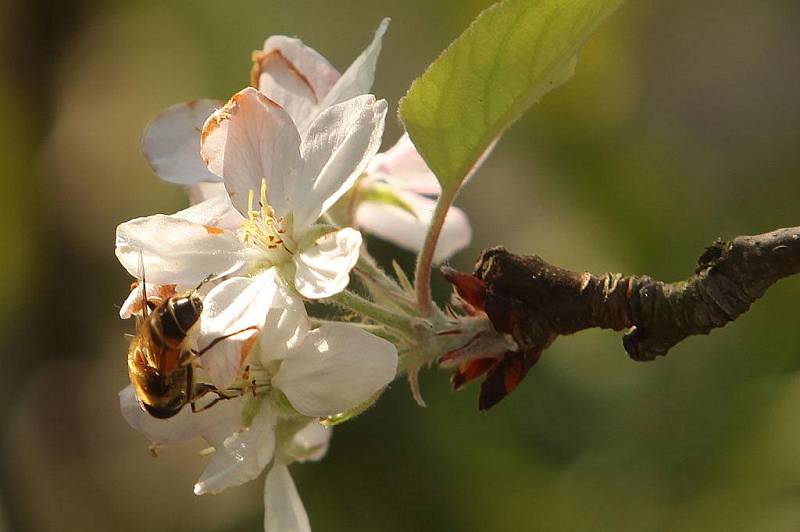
324, 268
403, 166
177, 251
214, 424
285, 328
283, 509
155, 293
400, 227
359, 76
249, 140
336, 150
234, 305
133, 303
216, 211
336, 367
242, 456
171, 142
294, 75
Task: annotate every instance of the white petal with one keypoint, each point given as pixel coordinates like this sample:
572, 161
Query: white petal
401, 228
283, 509
294, 75
336, 367
133, 303
286, 297
233, 305
249, 140
336, 150
176, 251
323, 269
242, 456
285, 328
217, 211
214, 424
358, 78
171, 142
204, 190
403, 166
312, 442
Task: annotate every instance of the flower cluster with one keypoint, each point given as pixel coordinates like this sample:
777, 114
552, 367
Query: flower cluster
281, 179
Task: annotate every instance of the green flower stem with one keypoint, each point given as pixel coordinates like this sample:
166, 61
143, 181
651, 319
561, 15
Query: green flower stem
378, 330
422, 275
368, 309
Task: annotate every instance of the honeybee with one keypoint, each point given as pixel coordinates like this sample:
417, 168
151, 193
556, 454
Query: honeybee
161, 358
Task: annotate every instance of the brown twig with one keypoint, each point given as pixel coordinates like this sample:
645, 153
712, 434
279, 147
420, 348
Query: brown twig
535, 301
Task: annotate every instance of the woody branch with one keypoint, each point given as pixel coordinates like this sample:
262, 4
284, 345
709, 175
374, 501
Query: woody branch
538, 301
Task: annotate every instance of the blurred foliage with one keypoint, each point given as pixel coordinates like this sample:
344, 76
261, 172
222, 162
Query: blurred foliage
680, 125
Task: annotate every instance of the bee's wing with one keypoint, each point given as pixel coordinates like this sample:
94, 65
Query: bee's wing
142, 346
145, 310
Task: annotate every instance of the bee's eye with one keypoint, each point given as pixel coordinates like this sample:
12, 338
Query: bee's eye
186, 314
197, 303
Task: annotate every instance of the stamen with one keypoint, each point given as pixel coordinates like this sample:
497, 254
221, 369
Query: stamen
264, 230
264, 192
250, 197
255, 380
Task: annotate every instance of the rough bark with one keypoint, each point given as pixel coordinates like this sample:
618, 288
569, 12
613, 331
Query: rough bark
536, 301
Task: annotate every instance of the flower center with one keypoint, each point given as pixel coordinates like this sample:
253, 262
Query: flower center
266, 232
254, 380
254, 384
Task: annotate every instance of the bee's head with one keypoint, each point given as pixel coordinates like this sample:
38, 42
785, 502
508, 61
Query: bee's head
187, 310
196, 302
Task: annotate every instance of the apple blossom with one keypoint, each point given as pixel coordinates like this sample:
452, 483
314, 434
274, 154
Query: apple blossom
292, 74
304, 83
395, 197
293, 377
263, 171
280, 185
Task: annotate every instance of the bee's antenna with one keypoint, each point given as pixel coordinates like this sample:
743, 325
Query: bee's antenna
204, 281
144, 285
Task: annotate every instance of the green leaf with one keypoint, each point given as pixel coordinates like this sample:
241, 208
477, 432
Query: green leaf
509, 57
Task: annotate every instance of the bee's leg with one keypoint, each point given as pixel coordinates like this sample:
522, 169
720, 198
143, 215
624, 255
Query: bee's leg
215, 341
195, 409
201, 389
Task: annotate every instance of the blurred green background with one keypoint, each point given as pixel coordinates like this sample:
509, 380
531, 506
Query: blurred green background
681, 125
